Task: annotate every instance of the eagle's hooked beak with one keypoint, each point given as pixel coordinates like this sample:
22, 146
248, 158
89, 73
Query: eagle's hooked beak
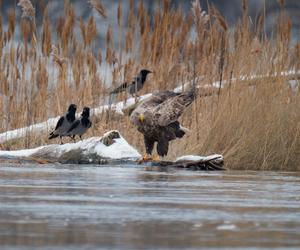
141, 117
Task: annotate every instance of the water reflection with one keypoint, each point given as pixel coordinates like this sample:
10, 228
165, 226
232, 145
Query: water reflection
77, 207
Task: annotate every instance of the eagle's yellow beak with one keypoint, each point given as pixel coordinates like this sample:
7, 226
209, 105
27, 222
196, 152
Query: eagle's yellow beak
141, 117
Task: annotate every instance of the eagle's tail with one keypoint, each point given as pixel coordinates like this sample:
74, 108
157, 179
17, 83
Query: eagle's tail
179, 133
179, 130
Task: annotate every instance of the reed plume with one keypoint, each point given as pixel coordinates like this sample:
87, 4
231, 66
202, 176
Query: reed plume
28, 11
98, 6
57, 59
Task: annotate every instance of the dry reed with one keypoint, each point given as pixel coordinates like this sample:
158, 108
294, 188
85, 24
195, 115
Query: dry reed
254, 123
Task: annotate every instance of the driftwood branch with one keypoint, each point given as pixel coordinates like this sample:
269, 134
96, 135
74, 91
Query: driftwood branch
214, 164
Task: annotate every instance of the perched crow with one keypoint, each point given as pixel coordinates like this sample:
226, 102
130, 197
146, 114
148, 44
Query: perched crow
81, 125
64, 123
133, 87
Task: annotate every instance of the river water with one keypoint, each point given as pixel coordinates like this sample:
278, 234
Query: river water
133, 207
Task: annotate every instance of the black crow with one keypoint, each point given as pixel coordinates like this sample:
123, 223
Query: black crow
64, 123
133, 87
81, 125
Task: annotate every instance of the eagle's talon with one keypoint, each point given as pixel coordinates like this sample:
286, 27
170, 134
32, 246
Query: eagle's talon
156, 158
146, 158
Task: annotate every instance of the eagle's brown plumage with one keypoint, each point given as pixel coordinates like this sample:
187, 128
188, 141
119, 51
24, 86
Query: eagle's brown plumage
157, 118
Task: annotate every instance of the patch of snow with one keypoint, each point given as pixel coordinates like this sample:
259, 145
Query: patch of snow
118, 150
21, 132
227, 227
251, 77
20, 153
197, 225
184, 86
294, 85
119, 106
199, 158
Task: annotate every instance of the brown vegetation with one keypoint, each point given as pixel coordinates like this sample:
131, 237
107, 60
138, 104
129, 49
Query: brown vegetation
254, 123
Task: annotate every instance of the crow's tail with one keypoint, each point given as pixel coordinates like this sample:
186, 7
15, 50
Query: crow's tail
52, 136
119, 89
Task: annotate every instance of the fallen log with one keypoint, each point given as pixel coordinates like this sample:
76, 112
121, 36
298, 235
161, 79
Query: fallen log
110, 149
209, 164
201, 165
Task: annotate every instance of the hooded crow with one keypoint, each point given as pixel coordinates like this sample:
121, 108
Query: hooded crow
64, 123
136, 85
81, 125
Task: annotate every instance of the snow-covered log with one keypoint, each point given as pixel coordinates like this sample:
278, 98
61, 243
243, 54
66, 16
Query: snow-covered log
97, 150
111, 148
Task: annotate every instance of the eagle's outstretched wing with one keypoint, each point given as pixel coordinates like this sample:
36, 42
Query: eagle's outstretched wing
156, 99
170, 110
147, 106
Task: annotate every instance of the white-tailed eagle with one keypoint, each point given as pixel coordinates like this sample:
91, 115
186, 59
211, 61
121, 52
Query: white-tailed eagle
157, 119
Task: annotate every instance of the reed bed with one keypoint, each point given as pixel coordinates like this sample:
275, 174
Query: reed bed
254, 123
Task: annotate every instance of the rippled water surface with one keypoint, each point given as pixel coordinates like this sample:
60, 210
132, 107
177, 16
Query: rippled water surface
129, 207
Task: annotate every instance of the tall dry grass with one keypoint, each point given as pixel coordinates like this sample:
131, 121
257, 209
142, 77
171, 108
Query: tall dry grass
254, 121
